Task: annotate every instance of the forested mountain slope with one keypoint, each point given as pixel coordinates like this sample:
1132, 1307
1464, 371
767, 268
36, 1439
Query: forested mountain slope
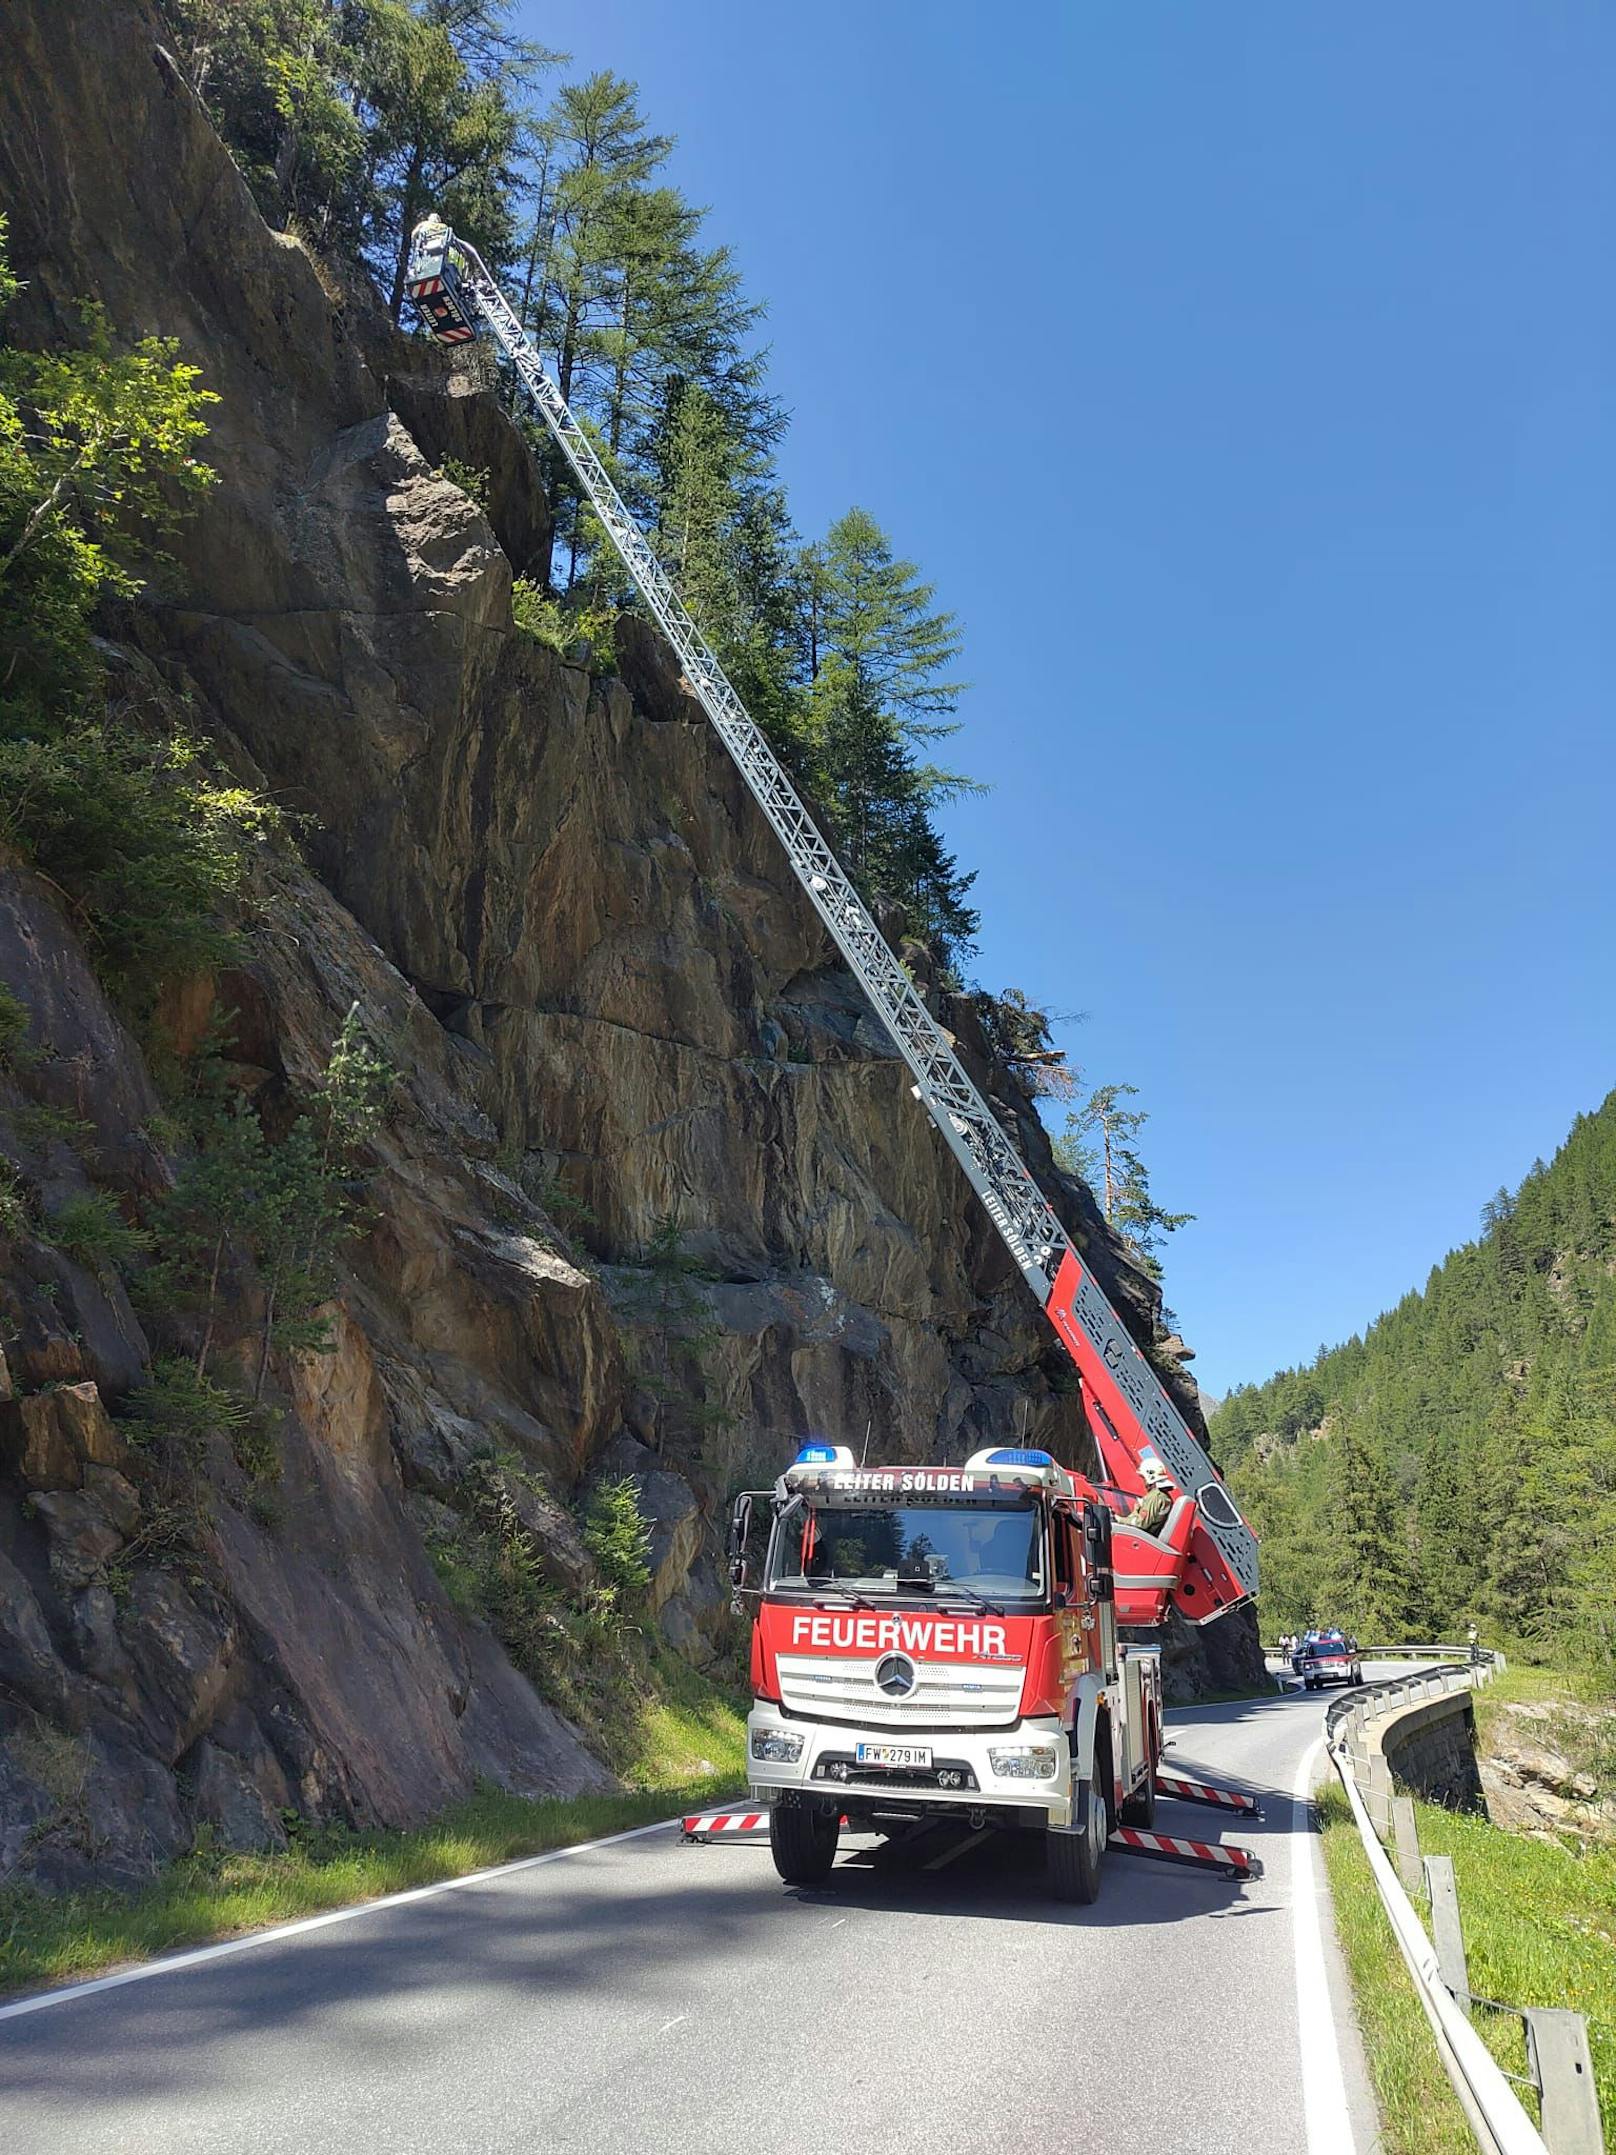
1458, 1459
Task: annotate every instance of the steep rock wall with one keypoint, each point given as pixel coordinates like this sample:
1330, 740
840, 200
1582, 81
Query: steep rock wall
573, 934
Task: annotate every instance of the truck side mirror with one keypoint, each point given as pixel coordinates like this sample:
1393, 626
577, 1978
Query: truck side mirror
740, 1526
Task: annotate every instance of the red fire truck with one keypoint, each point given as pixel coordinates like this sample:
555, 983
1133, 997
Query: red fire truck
942, 1643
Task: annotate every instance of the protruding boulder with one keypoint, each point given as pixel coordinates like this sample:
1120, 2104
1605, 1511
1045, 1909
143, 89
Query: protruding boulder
229, 1800
80, 1536
52, 1436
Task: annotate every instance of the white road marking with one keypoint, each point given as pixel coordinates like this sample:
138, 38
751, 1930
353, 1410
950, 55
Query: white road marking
676, 2021
174, 1962
1324, 2087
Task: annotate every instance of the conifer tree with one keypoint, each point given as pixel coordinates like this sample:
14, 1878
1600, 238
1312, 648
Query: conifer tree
1099, 1145
1367, 1574
1450, 1552
879, 659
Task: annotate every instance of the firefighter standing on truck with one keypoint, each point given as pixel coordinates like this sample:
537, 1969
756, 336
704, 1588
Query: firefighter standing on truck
1150, 1511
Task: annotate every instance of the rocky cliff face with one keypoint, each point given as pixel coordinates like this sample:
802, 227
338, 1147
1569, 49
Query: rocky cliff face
575, 939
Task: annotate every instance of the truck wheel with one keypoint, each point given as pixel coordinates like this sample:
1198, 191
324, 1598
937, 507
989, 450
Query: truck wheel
802, 1841
1072, 1860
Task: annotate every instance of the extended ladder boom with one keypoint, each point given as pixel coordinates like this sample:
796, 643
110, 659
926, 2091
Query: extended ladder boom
1131, 1413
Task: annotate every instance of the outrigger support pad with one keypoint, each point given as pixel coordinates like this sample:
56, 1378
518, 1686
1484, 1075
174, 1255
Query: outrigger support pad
1224, 1857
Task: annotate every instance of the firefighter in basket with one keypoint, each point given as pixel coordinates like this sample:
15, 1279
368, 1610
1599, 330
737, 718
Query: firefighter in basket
1150, 1511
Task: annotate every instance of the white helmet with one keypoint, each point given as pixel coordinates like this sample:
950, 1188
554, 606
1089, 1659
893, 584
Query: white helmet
1157, 1475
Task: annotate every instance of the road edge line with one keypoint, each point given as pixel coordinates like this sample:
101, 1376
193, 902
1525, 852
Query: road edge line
1326, 2115
194, 1956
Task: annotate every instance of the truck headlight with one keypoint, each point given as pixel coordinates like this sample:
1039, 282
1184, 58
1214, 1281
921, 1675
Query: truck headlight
779, 1746
1023, 1761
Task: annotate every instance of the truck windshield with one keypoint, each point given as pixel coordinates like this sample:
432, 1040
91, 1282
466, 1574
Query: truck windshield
995, 1550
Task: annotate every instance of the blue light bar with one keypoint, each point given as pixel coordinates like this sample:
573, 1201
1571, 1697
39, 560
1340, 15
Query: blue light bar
817, 1455
1019, 1459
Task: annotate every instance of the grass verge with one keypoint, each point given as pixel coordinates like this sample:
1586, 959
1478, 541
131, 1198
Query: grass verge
1540, 1929
1419, 2112
692, 1752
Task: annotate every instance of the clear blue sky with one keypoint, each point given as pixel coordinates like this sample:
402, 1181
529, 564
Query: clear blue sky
1246, 379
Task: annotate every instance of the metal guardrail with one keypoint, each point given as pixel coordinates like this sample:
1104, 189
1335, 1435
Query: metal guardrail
1556, 2041
1442, 1651
1350, 1709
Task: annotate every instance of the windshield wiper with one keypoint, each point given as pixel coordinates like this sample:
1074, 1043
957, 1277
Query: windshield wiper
853, 1601
969, 1593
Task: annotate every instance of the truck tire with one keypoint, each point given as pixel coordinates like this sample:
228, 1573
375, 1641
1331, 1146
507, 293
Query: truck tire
1072, 1860
802, 1841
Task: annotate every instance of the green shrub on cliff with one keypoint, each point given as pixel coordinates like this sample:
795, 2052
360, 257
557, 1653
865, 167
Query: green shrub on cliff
14, 1220
565, 629
89, 1228
114, 806
275, 1208
146, 843
13, 1029
618, 1538
94, 441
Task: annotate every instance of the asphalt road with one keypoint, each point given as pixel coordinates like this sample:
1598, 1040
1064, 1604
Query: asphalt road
644, 1995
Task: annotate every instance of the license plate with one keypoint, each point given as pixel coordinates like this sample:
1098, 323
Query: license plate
892, 1754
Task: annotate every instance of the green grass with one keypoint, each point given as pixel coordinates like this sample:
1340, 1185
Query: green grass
692, 1752
1540, 1929
1419, 2112
688, 1732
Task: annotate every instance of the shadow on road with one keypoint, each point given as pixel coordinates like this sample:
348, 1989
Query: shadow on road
640, 1920
1001, 1880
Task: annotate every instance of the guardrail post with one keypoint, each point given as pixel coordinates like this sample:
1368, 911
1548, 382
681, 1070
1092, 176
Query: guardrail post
1358, 1761
1379, 1800
1557, 2050
1447, 1932
1406, 1834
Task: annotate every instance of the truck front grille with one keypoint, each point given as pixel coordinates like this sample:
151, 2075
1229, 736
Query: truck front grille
947, 1694
951, 1774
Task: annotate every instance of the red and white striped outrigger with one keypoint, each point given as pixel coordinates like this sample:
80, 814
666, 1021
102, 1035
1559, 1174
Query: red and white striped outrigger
1225, 1857
1222, 1856
701, 1825
1222, 1799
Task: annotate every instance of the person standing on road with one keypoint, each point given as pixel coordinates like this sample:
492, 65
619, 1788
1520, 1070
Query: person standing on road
1474, 1636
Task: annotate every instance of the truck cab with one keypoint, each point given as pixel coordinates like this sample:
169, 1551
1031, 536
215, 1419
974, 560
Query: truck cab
936, 1642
